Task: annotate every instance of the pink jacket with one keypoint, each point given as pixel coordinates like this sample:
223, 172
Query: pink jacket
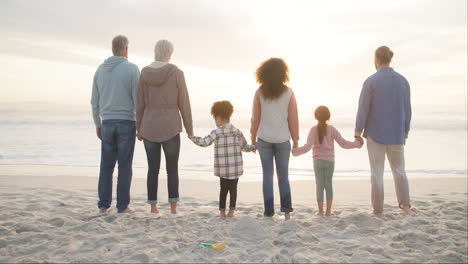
326, 150
161, 101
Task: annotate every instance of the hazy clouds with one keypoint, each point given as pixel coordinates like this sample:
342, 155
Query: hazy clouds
329, 45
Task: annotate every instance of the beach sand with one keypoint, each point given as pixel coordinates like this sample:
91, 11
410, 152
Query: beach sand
49, 216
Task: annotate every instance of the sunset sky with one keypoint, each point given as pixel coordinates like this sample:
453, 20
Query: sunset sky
50, 49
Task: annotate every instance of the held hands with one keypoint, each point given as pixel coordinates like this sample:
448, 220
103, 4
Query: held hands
360, 139
190, 137
98, 132
254, 144
139, 137
295, 144
357, 136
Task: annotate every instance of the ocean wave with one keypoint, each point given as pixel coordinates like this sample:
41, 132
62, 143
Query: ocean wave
258, 170
410, 171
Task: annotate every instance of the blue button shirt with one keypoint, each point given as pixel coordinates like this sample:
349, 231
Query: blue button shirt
384, 111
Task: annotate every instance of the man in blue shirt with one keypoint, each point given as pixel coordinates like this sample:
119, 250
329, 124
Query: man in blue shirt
384, 114
113, 103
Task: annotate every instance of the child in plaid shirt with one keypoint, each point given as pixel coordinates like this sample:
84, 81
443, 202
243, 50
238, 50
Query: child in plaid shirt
229, 144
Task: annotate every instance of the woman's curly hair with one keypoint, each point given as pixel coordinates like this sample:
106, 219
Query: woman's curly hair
272, 75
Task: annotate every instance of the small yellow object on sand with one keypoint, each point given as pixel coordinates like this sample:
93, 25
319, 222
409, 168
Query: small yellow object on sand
217, 246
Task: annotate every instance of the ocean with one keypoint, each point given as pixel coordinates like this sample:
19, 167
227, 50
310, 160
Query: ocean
48, 134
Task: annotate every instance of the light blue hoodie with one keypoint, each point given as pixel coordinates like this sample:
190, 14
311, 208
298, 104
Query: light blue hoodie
114, 90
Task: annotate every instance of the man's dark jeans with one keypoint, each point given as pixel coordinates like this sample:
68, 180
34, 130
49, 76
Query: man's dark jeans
117, 145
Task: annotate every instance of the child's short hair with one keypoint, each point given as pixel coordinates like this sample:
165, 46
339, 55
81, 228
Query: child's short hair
222, 109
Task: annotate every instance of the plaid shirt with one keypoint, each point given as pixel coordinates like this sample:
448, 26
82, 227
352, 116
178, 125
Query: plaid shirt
229, 144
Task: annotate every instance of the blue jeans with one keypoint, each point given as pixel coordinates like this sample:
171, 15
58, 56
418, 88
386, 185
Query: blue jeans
171, 149
280, 153
117, 145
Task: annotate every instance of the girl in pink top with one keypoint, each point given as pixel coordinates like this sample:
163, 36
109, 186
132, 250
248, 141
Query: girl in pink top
321, 140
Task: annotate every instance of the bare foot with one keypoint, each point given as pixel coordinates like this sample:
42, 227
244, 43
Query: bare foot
222, 214
378, 215
287, 216
406, 210
174, 208
328, 214
319, 213
154, 209
231, 213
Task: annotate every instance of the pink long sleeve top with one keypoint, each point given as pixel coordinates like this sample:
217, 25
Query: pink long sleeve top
326, 150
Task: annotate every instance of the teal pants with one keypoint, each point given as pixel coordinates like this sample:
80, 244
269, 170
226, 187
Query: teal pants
323, 178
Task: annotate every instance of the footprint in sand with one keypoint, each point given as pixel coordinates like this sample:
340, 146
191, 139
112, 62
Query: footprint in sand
21, 228
421, 222
421, 203
138, 258
309, 237
245, 210
27, 214
412, 238
36, 207
457, 209
289, 226
205, 215
367, 224
302, 258
278, 243
247, 228
57, 222
4, 231
3, 243
341, 225
457, 227
375, 250
285, 252
397, 245
431, 230
107, 240
89, 218
110, 218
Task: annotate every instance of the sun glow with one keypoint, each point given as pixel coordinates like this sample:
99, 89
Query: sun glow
327, 45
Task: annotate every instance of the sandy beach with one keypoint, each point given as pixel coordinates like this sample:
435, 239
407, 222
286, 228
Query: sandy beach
54, 219
330, 90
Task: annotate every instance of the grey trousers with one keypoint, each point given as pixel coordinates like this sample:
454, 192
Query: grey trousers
396, 158
323, 178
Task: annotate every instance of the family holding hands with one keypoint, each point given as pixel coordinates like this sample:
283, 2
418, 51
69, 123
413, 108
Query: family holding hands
153, 106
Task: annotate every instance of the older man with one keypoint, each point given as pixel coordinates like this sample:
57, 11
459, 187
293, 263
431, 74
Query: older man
114, 101
384, 115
